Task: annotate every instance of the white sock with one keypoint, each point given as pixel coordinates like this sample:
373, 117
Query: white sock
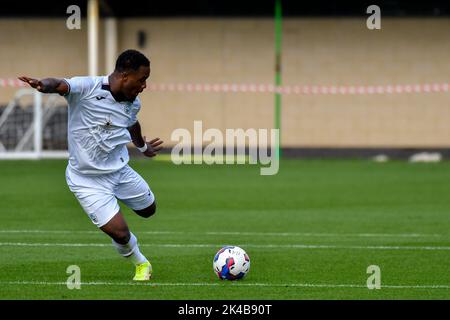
131, 250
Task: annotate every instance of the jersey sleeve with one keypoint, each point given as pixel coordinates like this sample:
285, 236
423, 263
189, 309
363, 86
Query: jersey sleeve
134, 111
79, 87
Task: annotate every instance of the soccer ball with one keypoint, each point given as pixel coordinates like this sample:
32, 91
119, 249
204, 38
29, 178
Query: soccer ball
231, 263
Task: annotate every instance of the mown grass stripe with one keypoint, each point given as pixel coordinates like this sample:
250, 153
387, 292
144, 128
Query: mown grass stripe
237, 284
248, 245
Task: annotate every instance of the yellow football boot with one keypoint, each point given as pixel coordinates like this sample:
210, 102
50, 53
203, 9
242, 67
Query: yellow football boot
143, 272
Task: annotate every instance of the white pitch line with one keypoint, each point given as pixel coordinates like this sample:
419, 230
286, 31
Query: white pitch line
276, 234
79, 232
249, 245
237, 284
287, 234
46, 231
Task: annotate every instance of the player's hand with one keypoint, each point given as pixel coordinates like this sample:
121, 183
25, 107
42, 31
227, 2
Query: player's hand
34, 83
153, 146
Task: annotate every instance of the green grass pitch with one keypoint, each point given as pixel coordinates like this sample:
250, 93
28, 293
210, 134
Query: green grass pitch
311, 231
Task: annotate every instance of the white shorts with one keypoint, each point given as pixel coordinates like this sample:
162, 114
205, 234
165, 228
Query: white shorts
98, 194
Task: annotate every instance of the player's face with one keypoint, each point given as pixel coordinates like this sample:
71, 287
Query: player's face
134, 82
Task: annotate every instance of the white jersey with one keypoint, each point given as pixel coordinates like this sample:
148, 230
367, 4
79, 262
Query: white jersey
97, 126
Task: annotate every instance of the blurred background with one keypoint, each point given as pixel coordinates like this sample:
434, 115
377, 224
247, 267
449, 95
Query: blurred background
334, 87
343, 89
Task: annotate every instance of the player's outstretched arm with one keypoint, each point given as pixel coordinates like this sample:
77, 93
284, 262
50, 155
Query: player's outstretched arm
48, 85
151, 147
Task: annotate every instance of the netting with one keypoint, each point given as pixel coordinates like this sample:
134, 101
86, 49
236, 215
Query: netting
19, 133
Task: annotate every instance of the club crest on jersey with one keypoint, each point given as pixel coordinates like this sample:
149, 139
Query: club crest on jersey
108, 122
127, 108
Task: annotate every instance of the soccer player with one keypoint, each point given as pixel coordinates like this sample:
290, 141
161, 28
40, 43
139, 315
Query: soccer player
102, 120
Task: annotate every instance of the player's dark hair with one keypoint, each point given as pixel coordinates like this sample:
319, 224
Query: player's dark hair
131, 60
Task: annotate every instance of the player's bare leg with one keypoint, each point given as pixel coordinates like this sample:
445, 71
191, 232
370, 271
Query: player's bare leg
117, 229
126, 244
